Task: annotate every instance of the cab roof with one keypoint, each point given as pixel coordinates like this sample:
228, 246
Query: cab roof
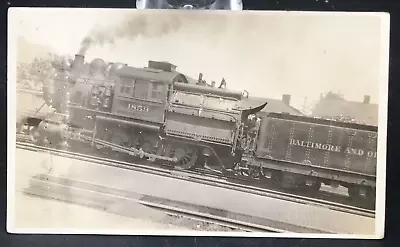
150, 74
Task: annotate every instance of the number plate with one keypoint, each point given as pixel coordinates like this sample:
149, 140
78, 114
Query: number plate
140, 108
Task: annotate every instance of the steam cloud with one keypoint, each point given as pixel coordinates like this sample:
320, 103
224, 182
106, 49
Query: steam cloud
133, 26
153, 25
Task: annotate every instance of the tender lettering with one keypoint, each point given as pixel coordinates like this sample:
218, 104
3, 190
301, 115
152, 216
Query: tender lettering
322, 146
372, 154
354, 151
332, 148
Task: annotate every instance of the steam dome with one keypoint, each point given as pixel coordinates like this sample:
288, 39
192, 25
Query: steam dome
97, 65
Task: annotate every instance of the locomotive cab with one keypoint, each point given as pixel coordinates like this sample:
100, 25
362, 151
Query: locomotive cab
142, 93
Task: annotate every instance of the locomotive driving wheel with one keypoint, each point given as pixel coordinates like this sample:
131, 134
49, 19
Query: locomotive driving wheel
151, 147
186, 156
119, 138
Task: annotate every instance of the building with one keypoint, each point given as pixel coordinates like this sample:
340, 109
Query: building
363, 112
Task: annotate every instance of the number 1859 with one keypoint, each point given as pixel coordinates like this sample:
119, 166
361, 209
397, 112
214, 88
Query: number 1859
138, 108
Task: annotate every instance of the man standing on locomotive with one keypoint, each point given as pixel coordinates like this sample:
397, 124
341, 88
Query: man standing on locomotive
251, 132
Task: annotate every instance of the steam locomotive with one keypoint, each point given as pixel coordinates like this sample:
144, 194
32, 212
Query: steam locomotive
161, 115
153, 112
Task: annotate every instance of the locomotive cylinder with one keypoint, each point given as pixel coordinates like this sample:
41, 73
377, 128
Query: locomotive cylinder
54, 132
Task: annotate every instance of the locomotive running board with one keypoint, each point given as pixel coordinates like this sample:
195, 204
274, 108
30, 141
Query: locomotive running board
131, 151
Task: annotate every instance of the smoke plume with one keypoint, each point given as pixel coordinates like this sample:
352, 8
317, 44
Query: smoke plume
131, 27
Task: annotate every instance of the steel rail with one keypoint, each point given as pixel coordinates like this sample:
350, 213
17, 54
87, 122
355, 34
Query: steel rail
211, 180
213, 219
47, 189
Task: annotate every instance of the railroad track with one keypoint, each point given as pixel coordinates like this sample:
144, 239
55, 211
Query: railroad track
207, 179
100, 197
230, 223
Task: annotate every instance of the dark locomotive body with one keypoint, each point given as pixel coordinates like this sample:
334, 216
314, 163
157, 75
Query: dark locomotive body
160, 114
154, 112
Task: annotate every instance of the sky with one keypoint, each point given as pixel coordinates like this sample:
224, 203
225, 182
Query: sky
266, 53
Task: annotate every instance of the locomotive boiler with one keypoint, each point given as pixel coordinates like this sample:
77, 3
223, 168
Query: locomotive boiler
155, 112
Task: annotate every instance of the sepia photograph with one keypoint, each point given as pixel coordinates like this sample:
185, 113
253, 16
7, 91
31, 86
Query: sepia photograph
197, 123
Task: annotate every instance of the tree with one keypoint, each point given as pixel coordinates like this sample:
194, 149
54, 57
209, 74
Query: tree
33, 75
331, 95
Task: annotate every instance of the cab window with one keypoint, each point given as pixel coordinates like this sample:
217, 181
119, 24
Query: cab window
140, 90
158, 92
126, 86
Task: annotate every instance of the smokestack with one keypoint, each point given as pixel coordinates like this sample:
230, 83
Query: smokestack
367, 99
79, 61
213, 84
286, 99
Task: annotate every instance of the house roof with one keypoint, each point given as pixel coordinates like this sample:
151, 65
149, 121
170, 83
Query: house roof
274, 105
364, 113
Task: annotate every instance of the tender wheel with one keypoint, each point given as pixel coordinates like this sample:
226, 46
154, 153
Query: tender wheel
313, 187
353, 192
361, 193
276, 177
288, 181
